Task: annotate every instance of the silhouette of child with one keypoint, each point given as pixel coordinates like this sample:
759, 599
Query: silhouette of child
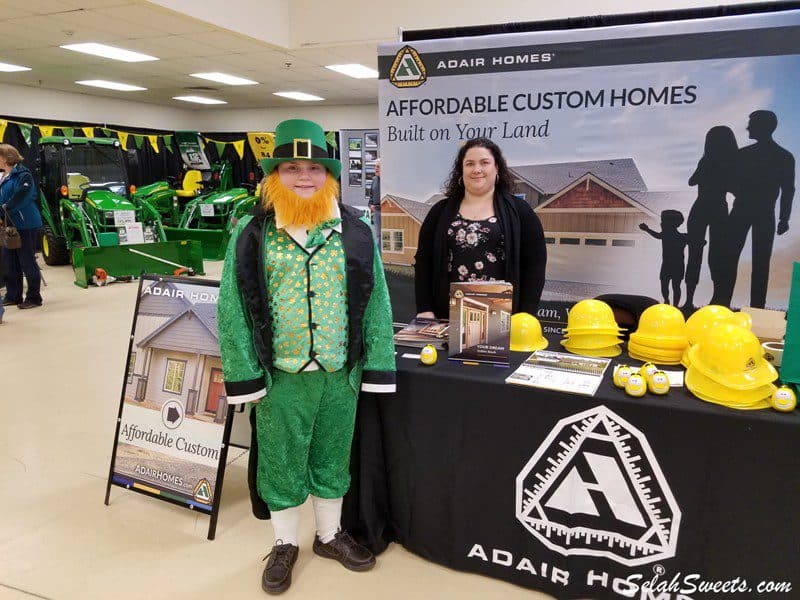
673, 244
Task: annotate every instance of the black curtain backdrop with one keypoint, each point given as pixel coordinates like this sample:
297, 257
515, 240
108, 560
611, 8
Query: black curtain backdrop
144, 165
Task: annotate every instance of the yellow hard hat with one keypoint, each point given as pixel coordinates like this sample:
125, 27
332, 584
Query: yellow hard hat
661, 324
742, 319
608, 352
656, 352
591, 340
685, 358
659, 343
704, 319
591, 315
709, 390
526, 333
732, 356
661, 360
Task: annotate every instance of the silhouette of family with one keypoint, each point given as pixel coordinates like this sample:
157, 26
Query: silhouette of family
757, 176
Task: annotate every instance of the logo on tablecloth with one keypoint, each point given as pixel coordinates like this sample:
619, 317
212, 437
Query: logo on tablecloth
594, 488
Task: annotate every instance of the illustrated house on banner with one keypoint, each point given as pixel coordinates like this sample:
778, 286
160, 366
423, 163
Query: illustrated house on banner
590, 203
163, 368
590, 211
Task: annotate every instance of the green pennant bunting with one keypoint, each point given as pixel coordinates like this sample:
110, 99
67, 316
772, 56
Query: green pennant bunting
330, 138
68, 131
25, 129
220, 147
107, 132
168, 143
138, 140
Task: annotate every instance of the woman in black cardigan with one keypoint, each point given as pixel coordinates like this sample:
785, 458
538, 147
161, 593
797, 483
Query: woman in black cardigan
479, 232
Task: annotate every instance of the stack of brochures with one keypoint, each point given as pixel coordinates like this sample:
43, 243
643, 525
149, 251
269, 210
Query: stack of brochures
421, 332
561, 371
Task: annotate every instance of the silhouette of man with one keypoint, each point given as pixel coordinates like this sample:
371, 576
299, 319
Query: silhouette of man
767, 173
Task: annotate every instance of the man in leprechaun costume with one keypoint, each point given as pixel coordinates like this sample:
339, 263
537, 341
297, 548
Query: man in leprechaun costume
305, 323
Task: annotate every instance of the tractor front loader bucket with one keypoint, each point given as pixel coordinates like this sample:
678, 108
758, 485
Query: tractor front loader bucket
161, 258
214, 241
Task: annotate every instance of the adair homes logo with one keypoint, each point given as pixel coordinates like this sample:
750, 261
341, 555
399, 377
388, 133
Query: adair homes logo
407, 70
595, 488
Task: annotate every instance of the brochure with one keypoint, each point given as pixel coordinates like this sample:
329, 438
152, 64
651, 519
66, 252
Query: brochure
480, 321
421, 332
561, 371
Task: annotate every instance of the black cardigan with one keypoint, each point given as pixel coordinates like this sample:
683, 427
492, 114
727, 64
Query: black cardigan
526, 254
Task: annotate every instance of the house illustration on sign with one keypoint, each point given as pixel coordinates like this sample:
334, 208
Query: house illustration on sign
161, 365
584, 207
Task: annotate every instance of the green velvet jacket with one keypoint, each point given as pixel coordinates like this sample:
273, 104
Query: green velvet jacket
246, 321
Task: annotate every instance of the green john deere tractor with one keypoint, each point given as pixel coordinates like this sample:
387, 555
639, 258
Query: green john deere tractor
205, 206
92, 220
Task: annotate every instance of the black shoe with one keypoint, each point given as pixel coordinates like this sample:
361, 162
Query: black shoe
347, 551
10, 302
277, 575
27, 304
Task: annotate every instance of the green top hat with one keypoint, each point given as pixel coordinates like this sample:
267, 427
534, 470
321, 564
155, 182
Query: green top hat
300, 139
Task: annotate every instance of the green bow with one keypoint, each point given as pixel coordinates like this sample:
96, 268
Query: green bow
315, 236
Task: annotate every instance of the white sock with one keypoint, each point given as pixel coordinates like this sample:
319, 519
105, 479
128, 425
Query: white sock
285, 524
328, 514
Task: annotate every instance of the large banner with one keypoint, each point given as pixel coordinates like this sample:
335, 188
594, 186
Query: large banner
174, 420
660, 158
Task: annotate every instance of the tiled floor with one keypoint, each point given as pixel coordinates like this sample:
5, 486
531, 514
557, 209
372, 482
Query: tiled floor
61, 372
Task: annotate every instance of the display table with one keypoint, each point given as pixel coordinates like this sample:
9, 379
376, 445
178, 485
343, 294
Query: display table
435, 468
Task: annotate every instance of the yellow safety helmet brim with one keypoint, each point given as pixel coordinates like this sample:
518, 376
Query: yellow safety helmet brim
539, 345
663, 342
711, 391
609, 352
762, 374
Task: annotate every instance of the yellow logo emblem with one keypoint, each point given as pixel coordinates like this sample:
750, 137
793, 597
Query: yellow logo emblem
202, 492
407, 69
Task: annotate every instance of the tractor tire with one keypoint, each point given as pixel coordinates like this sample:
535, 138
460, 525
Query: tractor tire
54, 248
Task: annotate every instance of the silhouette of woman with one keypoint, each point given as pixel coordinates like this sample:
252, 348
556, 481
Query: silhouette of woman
714, 177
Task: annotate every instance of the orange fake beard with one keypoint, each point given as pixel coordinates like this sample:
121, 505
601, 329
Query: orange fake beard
293, 210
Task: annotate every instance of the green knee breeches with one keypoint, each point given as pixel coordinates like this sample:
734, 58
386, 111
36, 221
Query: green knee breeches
305, 430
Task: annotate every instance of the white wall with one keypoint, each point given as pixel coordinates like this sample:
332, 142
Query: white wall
329, 117
369, 21
33, 103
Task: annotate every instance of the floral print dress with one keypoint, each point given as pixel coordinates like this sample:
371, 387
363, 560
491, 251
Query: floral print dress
476, 250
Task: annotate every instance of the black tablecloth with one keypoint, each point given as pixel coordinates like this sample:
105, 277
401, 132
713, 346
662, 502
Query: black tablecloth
435, 468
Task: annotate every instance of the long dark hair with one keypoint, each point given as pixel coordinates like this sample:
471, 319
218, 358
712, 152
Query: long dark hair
454, 186
720, 145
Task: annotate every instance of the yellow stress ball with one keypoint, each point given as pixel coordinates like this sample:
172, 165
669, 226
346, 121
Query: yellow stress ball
621, 374
647, 370
783, 399
428, 355
636, 386
658, 383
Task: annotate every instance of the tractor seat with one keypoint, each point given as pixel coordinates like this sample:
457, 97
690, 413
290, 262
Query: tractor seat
74, 183
192, 184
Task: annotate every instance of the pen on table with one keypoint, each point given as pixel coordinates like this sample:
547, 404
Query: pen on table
469, 362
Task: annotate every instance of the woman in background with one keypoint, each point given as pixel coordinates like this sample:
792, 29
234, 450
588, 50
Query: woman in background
18, 204
479, 232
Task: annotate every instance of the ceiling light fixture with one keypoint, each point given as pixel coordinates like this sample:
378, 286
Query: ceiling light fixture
109, 52
224, 78
111, 85
9, 68
199, 100
354, 70
302, 96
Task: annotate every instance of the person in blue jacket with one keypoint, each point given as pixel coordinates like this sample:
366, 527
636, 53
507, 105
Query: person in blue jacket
18, 205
